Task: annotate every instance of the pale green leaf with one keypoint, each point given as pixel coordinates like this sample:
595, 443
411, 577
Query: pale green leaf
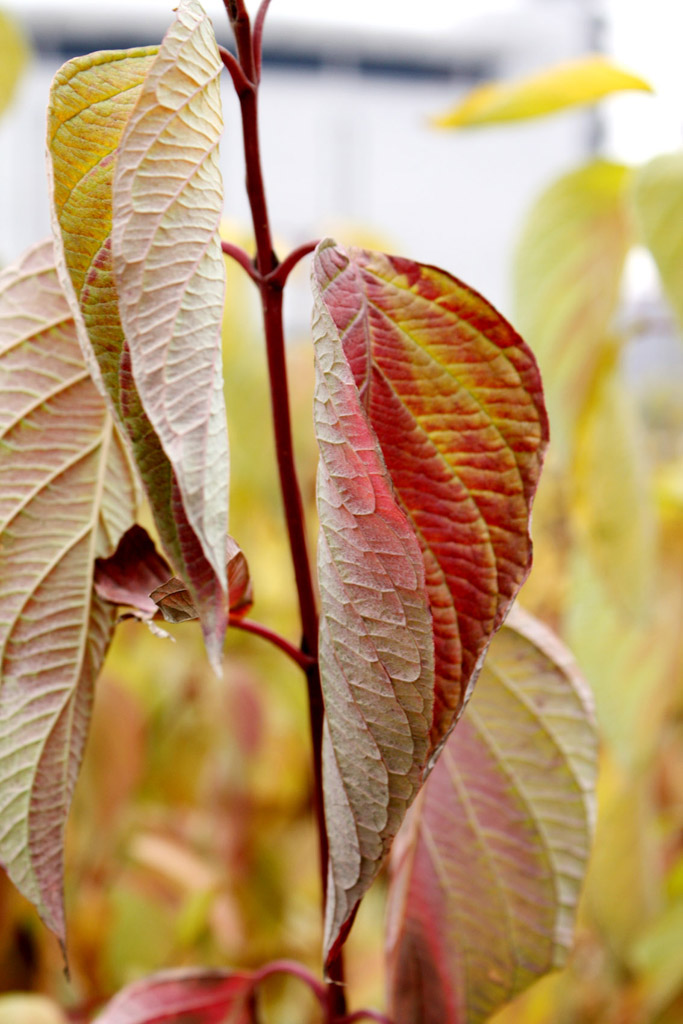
623, 894
626, 661
67, 494
575, 83
568, 271
613, 509
488, 866
656, 956
658, 201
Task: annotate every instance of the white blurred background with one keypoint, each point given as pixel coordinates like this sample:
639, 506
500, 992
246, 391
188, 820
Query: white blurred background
348, 88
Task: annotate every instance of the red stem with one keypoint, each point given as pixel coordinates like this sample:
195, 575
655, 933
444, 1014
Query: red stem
270, 288
241, 257
239, 80
281, 273
258, 36
249, 626
297, 970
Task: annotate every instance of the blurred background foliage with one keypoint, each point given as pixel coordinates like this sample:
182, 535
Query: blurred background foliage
191, 839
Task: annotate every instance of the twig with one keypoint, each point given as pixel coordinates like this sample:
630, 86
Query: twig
258, 37
257, 629
281, 273
241, 257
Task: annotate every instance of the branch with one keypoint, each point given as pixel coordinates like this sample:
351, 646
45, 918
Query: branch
241, 28
239, 79
281, 273
297, 970
241, 257
258, 37
257, 629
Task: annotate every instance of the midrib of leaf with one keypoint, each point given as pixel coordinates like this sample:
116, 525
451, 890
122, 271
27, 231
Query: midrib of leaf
69, 694
90, 527
504, 766
49, 326
472, 818
442, 576
102, 157
451, 315
46, 481
522, 698
69, 702
452, 372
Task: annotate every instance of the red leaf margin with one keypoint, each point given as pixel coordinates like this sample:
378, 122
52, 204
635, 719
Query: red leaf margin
190, 995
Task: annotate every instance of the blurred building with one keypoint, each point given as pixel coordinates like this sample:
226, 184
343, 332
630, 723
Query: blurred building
346, 138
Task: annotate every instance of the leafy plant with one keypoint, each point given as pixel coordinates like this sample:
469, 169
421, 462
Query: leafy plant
608, 536
431, 430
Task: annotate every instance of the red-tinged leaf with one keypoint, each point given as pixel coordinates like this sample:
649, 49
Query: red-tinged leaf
91, 101
67, 494
376, 647
137, 576
568, 274
173, 600
130, 575
182, 997
487, 869
240, 593
455, 400
169, 267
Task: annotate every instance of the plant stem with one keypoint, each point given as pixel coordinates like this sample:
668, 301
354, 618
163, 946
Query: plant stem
249, 626
241, 257
295, 969
284, 269
258, 36
270, 286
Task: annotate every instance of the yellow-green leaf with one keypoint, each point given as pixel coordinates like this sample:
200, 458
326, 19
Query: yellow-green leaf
567, 276
13, 56
625, 662
658, 201
574, 83
614, 519
92, 100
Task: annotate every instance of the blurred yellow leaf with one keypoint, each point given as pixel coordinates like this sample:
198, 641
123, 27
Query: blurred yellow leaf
613, 508
573, 83
626, 663
622, 890
658, 202
657, 957
29, 1010
567, 276
13, 57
